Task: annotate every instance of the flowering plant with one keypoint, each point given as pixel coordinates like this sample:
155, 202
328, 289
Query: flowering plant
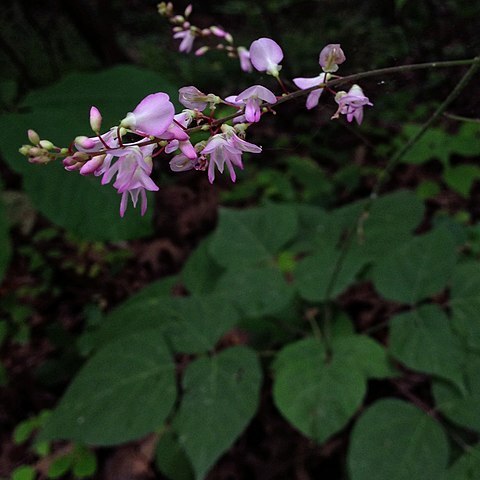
297, 319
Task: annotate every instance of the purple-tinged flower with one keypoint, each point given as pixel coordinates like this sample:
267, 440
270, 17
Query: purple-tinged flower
152, 116
177, 136
226, 149
244, 57
330, 57
253, 97
305, 83
133, 169
266, 55
93, 144
191, 97
95, 119
187, 37
351, 104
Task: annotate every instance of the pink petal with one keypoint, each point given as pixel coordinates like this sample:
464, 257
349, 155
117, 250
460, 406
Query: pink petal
265, 54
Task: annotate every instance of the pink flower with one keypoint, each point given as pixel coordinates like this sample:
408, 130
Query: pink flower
314, 95
187, 37
178, 137
351, 104
330, 57
152, 116
133, 169
191, 97
253, 97
226, 149
244, 57
265, 55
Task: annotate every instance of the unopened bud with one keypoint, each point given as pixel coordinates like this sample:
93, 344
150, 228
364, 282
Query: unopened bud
228, 37
217, 31
33, 137
25, 149
188, 11
85, 142
202, 51
178, 19
95, 119
206, 32
47, 144
40, 160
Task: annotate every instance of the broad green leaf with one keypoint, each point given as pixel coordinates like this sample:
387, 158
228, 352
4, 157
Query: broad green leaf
467, 467
317, 395
221, 395
460, 405
60, 113
256, 292
369, 356
460, 178
423, 340
170, 458
124, 391
433, 144
200, 271
327, 274
417, 269
465, 302
84, 463
396, 441
312, 222
189, 324
5, 247
389, 223
253, 236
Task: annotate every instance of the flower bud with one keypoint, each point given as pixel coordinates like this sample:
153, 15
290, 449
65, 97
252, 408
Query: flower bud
85, 142
95, 119
217, 31
25, 149
188, 10
33, 137
39, 160
201, 51
47, 144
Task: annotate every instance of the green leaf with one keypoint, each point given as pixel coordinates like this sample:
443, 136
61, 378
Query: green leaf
417, 269
24, 472
433, 144
60, 113
200, 271
60, 466
368, 356
221, 396
189, 324
423, 340
256, 292
465, 303
327, 274
123, 392
460, 405
84, 462
5, 246
317, 396
460, 178
396, 441
389, 224
253, 236
427, 189
467, 466
171, 459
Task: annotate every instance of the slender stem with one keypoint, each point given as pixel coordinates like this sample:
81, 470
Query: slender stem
461, 118
331, 83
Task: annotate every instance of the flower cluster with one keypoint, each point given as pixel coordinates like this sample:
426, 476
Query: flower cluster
159, 130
